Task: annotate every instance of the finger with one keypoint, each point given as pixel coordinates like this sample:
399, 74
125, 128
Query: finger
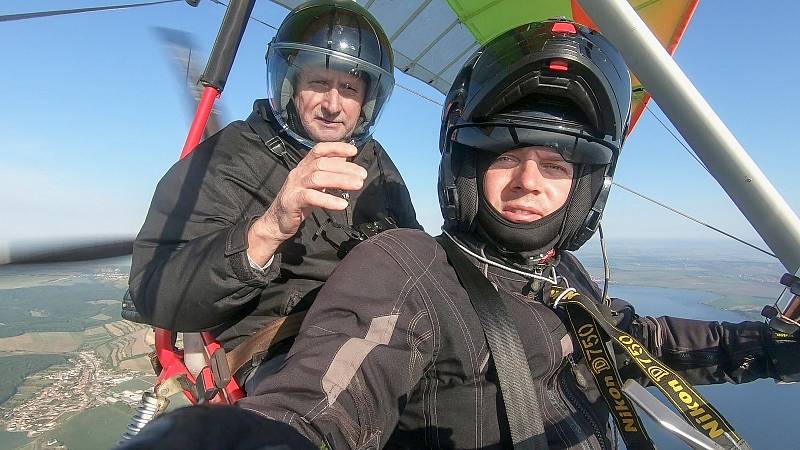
311, 198
332, 149
330, 180
337, 165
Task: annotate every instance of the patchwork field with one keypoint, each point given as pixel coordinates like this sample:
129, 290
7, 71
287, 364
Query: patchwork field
15, 368
72, 307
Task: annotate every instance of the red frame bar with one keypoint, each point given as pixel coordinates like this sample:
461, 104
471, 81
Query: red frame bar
210, 94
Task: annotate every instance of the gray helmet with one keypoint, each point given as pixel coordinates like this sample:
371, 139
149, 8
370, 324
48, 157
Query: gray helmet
329, 34
555, 84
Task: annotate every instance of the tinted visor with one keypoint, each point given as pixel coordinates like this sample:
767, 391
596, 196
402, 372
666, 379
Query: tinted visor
575, 145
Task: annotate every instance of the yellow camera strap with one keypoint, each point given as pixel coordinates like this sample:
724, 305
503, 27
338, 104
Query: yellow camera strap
592, 329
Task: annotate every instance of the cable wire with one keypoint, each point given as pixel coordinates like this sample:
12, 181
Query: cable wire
679, 141
606, 266
61, 12
695, 220
254, 19
418, 94
495, 264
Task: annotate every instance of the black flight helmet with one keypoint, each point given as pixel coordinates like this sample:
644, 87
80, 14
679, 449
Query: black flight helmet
326, 35
556, 84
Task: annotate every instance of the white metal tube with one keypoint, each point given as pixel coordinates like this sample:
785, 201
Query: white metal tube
716, 146
194, 355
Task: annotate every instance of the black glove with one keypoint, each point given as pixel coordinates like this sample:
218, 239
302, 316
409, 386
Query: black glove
623, 313
783, 351
208, 427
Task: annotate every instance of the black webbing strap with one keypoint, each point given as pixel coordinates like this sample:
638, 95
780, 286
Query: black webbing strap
274, 143
694, 408
513, 373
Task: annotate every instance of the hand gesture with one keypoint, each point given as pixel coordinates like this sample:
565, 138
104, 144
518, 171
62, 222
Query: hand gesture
324, 168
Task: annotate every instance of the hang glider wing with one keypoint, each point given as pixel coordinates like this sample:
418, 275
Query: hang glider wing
433, 38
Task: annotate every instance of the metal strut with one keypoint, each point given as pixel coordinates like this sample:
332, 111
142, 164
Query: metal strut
149, 407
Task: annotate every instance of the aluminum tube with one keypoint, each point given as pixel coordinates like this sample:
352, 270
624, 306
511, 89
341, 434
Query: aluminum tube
667, 418
711, 140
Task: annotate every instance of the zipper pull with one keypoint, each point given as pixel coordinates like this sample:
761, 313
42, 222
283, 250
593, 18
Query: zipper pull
536, 283
580, 379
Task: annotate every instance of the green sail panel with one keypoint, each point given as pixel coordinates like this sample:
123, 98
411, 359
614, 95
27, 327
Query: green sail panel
488, 19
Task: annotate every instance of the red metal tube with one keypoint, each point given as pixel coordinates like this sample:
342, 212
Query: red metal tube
210, 94
166, 352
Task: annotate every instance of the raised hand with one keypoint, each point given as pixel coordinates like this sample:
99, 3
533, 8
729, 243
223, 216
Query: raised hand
324, 168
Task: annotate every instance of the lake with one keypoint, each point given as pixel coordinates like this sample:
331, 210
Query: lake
763, 412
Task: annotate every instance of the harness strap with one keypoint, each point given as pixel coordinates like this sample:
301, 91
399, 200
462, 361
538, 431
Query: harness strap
273, 142
587, 321
520, 397
259, 343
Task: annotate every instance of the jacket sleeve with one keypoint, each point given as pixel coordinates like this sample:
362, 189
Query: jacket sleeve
363, 347
190, 269
709, 352
401, 207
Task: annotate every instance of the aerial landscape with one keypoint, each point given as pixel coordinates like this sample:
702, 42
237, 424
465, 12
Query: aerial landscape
74, 372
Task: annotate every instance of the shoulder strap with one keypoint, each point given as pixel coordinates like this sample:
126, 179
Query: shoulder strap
273, 142
523, 410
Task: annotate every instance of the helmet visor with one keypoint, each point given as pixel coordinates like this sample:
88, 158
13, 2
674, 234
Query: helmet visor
574, 145
321, 95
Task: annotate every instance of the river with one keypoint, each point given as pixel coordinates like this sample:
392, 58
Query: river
763, 412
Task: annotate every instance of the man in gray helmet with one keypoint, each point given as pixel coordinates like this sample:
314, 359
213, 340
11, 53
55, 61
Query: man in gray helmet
248, 228
493, 335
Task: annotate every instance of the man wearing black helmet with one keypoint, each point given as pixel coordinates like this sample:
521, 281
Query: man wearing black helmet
249, 227
492, 335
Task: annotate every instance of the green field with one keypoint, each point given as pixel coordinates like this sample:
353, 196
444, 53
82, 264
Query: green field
742, 279
750, 306
98, 428
27, 390
15, 368
142, 383
56, 308
9, 441
95, 340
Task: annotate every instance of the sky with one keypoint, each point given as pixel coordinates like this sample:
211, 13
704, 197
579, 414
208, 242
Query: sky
93, 115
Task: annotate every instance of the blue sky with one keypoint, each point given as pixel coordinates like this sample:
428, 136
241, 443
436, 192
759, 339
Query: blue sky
93, 115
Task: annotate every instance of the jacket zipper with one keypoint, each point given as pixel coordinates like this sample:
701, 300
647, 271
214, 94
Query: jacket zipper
582, 408
347, 211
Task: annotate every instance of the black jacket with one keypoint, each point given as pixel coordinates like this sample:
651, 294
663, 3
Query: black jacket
393, 355
190, 270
